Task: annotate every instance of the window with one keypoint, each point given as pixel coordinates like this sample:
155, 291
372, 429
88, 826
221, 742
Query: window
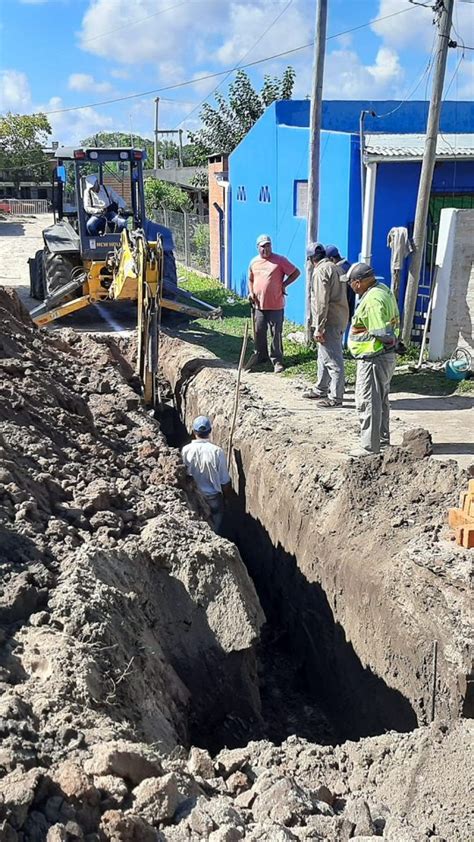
264, 195
42, 193
300, 198
241, 194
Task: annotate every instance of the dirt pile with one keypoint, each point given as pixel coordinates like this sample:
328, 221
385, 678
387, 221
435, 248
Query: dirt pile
128, 632
404, 788
121, 613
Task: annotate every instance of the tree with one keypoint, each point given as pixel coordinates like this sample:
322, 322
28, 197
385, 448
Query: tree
109, 140
227, 124
22, 137
162, 194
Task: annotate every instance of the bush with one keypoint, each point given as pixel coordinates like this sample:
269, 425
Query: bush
162, 194
201, 243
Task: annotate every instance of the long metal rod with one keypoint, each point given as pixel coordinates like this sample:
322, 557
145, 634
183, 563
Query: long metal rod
435, 678
314, 146
155, 156
445, 9
237, 387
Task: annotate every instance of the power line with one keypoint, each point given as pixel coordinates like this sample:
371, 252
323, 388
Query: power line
417, 84
266, 31
223, 72
132, 23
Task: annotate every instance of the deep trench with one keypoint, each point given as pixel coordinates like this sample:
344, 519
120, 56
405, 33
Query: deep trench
311, 681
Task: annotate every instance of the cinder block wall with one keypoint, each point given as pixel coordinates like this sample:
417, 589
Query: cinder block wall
217, 164
452, 322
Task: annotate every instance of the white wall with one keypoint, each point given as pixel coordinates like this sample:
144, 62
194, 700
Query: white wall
452, 321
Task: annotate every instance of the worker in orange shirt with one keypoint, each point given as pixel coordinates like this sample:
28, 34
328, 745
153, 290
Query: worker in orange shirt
269, 276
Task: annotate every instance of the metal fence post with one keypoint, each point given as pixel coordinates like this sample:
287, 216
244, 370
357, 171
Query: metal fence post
186, 239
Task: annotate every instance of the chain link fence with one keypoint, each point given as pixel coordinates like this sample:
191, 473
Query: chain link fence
191, 237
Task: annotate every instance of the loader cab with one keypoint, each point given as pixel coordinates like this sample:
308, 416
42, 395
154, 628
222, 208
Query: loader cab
118, 169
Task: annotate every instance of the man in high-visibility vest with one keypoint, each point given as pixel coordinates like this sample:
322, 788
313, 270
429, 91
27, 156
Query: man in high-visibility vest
373, 338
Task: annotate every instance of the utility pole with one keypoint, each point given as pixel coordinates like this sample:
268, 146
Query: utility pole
314, 145
444, 10
155, 161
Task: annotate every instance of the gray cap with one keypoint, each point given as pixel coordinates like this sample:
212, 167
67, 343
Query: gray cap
315, 250
262, 239
360, 272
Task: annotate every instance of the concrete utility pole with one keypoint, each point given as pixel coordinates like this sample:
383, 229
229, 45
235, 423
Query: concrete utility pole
155, 157
314, 145
444, 9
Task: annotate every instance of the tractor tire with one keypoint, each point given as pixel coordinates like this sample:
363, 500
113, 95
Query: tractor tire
58, 270
37, 290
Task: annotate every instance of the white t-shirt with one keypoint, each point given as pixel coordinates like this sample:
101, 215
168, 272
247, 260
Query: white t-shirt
206, 463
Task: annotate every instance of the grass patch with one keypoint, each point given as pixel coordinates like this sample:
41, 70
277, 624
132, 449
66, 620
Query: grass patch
224, 339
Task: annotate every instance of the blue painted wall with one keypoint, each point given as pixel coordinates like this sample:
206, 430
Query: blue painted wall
265, 167
343, 115
252, 166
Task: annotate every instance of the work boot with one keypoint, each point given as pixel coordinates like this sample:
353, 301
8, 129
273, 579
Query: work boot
278, 368
360, 452
313, 395
329, 403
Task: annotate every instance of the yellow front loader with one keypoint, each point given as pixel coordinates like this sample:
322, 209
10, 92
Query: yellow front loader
77, 268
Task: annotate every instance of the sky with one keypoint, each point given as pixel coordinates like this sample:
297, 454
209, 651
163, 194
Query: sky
62, 54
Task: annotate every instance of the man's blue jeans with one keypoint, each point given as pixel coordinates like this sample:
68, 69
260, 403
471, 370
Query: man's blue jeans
96, 224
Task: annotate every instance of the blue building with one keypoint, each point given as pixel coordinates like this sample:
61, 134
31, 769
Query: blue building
268, 174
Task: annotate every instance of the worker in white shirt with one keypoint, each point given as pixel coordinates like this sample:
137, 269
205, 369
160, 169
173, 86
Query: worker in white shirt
205, 462
102, 205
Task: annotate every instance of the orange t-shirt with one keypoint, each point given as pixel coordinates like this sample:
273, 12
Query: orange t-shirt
267, 275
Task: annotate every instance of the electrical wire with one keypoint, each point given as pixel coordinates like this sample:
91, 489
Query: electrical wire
415, 88
223, 81
132, 23
223, 72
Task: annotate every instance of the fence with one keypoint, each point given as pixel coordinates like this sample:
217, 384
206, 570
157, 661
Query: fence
191, 237
24, 207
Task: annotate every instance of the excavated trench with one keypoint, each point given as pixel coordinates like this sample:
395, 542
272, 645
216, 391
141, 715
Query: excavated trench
310, 679
354, 580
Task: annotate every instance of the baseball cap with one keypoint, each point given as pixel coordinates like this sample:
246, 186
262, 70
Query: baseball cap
202, 424
332, 251
360, 272
315, 250
262, 239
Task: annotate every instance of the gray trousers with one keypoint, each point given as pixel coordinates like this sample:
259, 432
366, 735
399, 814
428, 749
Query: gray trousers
272, 319
331, 365
371, 395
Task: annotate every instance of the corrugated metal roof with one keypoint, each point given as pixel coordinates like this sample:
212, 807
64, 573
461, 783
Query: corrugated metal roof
412, 146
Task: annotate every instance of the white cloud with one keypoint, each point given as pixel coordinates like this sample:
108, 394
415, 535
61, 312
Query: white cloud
346, 77
85, 82
69, 127
139, 34
15, 94
119, 73
415, 27
462, 86
248, 22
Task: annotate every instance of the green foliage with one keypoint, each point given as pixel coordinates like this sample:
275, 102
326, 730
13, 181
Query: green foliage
104, 140
162, 194
200, 179
227, 124
224, 338
22, 137
201, 245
